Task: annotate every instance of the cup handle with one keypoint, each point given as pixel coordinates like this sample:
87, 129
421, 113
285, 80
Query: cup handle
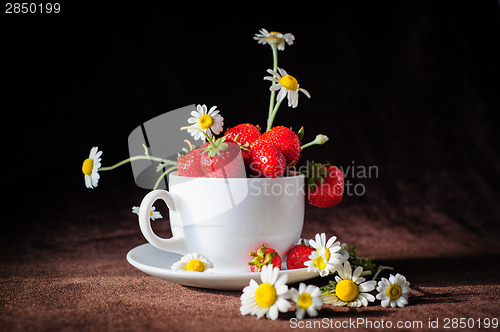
173, 244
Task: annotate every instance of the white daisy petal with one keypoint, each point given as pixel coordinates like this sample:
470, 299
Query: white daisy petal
385, 302
272, 72
368, 296
300, 313
281, 95
282, 304
311, 311
283, 72
291, 98
405, 290
367, 286
272, 313
314, 244
347, 270
360, 280
330, 242
402, 301
275, 87
88, 182
357, 273
305, 92
212, 110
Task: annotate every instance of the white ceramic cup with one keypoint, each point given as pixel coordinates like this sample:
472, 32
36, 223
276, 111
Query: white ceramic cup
224, 219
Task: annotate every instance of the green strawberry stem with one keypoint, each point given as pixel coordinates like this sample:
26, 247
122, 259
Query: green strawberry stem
319, 140
214, 146
270, 120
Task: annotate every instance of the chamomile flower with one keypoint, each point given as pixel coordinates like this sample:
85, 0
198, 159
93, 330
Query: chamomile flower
333, 250
274, 39
308, 299
90, 168
193, 262
287, 86
394, 291
267, 298
351, 289
210, 122
153, 215
319, 263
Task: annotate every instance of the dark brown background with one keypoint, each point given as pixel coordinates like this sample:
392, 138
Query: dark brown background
409, 87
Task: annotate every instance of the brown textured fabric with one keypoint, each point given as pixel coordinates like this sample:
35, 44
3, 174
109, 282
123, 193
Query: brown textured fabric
70, 272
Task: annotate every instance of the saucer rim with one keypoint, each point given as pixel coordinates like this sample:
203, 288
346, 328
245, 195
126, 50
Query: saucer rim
192, 276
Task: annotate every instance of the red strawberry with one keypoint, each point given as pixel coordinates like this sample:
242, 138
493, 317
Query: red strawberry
326, 185
246, 132
189, 165
266, 160
243, 134
286, 140
297, 256
264, 256
223, 160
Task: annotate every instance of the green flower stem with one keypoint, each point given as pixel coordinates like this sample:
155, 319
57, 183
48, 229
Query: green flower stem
320, 139
173, 168
380, 269
145, 157
275, 57
273, 93
270, 120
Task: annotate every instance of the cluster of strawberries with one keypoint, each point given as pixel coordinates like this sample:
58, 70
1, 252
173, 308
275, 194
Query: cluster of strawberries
265, 155
244, 150
295, 259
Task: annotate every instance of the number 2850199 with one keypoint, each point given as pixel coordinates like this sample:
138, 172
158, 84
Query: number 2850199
32, 8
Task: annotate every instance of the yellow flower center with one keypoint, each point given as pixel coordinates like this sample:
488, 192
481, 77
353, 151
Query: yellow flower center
327, 253
88, 165
265, 295
289, 82
273, 37
320, 263
195, 265
346, 290
205, 121
394, 292
304, 300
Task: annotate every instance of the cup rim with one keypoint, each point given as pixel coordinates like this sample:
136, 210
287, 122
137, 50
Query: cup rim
281, 178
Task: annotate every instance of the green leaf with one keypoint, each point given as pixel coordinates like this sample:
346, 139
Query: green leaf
300, 133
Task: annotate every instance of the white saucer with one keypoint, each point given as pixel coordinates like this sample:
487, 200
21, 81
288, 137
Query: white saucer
157, 263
